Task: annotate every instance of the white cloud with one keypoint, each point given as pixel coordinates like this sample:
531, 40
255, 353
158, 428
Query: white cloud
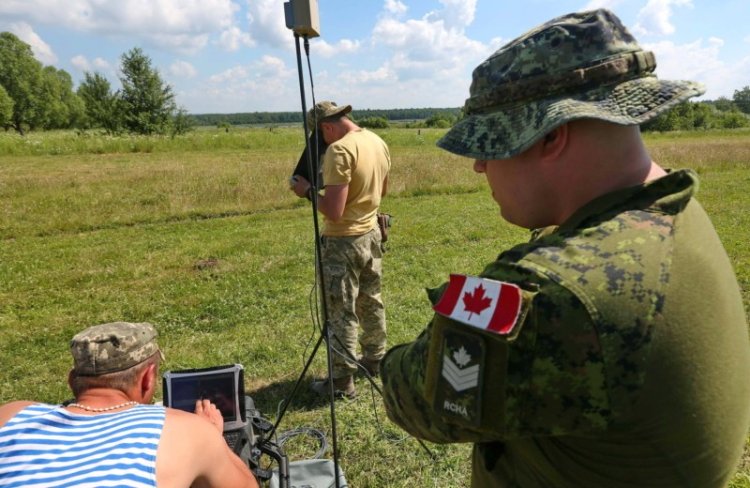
415, 56
182, 25
42, 51
596, 4
701, 61
182, 43
268, 27
267, 24
380, 75
395, 7
81, 63
456, 14
99, 65
237, 89
237, 72
326, 50
655, 17
102, 64
265, 70
427, 48
234, 38
182, 69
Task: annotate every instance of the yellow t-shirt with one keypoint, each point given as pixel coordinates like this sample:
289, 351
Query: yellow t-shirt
361, 160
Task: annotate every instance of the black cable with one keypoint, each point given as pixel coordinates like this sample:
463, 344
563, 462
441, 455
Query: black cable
319, 435
326, 335
316, 166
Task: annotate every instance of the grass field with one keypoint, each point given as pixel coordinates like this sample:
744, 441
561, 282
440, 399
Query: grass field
200, 236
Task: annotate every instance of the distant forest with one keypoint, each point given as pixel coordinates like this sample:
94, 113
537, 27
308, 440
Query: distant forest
393, 115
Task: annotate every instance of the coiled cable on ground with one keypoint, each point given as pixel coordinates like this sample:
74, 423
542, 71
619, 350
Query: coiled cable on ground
309, 431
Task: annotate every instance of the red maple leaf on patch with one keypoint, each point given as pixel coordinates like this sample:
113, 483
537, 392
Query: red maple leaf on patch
476, 302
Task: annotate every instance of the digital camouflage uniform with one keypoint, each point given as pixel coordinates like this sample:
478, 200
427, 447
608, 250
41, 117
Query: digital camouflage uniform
353, 269
626, 362
632, 327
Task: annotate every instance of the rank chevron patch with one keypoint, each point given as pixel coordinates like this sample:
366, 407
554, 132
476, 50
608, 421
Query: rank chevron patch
460, 379
459, 376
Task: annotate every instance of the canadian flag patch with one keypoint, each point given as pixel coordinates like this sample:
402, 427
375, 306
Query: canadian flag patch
486, 304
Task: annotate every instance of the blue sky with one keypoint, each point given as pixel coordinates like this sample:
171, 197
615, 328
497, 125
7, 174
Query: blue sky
224, 56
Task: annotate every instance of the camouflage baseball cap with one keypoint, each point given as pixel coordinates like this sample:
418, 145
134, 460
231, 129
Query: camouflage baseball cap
323, 110
581, 65
107, 348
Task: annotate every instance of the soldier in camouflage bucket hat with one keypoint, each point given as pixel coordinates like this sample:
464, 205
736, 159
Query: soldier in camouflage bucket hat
583, 65
116, 346
324, 110
612, 349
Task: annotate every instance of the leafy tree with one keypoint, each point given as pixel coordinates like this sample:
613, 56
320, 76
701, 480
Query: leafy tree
21, 76
373, 122
73, 104
103, 108
724, 104
440, 121
76, 110
704, 116
741, 98
6, 108
182, 123
147, 102
734, 120
664, 122
62, 108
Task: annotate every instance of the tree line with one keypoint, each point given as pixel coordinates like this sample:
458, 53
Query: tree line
722, 113
37, 97
273, 118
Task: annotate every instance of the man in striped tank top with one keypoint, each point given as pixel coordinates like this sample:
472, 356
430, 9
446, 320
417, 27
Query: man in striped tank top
112, 436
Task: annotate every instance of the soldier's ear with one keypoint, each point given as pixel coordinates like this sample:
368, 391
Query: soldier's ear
554, 143
148, 379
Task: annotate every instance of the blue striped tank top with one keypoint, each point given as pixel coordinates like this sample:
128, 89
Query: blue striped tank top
47, 446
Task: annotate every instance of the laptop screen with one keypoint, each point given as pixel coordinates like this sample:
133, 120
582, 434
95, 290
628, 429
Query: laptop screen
223, 385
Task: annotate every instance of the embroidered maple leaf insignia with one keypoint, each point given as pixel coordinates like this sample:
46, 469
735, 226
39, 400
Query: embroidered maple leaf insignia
476, 302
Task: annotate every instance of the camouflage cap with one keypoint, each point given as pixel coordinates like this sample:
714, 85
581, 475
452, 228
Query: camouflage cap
581, 65
107, 348
323, 110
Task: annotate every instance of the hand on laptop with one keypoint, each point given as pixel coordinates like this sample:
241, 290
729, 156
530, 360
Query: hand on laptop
204, 408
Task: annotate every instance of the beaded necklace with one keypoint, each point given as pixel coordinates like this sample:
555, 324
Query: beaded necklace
102, 409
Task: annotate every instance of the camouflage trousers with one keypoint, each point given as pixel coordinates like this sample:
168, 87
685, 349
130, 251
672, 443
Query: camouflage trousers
352, 271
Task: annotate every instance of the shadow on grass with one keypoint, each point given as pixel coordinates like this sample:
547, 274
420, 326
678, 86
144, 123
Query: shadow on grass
271, 398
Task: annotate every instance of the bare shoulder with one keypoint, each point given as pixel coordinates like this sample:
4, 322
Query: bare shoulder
185, 431
192, 452
178, 449
9, 410
187, 442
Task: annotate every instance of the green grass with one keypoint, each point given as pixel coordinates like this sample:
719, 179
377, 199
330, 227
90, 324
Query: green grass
204, 240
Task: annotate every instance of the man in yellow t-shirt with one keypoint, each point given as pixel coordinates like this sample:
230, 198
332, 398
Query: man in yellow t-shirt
355, 172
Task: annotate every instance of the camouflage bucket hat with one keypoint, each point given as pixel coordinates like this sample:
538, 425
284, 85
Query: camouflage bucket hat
323, 110
581, 65
112, 347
